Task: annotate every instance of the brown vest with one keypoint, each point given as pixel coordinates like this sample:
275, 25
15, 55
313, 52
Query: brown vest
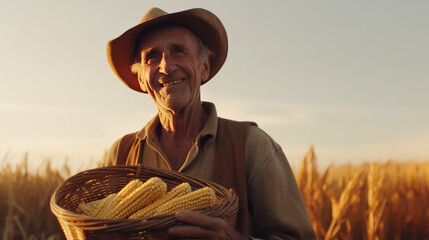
229, 166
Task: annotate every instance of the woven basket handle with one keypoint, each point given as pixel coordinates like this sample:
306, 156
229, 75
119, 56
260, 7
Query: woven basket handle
139, 170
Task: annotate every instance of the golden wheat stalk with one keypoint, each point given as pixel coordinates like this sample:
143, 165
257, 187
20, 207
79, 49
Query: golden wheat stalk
376, 200
349, 196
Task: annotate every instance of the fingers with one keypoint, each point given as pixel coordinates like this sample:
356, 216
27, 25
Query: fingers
198, 225
190, 231
199, 219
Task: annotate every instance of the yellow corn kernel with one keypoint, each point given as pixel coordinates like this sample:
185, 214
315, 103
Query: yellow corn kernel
177, 191
199, 198
141, 197
127, 189
133, 184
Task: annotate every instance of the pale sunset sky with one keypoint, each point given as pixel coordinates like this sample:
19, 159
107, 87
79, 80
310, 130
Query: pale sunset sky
350, 78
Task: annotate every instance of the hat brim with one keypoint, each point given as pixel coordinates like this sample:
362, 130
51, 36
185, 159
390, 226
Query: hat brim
204, 24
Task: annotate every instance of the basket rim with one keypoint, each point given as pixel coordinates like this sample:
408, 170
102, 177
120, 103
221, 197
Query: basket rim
229, 201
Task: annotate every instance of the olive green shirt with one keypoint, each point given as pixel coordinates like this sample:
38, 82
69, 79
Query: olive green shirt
274, 199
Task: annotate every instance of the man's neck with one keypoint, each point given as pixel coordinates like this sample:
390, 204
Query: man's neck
183, 125
178, 133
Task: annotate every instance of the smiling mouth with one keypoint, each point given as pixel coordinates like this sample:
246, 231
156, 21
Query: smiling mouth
172, 83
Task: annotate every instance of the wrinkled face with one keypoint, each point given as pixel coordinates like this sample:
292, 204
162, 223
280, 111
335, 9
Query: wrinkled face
171, 70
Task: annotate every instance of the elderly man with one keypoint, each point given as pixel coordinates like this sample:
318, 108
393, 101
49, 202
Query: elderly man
169, 56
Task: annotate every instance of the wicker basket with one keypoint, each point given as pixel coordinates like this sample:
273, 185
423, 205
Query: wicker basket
97, 183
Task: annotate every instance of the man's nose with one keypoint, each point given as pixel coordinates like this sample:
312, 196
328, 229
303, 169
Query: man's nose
167, 65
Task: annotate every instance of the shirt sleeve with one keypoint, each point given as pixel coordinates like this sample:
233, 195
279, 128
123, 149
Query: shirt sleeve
275, 201
111, 155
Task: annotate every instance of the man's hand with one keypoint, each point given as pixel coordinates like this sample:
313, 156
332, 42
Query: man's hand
200, 226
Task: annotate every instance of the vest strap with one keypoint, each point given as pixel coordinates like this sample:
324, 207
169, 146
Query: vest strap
126, 147
230, 166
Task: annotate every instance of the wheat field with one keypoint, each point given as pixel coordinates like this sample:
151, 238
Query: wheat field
373, 201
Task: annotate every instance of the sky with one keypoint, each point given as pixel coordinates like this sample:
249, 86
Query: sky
349, 78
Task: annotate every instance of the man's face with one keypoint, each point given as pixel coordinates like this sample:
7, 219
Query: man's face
172, 72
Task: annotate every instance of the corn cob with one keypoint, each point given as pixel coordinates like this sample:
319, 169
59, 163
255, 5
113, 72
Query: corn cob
101, 204
177, 191
89, 207
120, 195
199, 198
135, 199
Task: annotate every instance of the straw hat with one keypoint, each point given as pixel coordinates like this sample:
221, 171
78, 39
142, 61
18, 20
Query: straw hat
121, 51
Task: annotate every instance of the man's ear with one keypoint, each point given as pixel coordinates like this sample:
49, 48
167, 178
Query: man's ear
205, 69
142, 85
136, 68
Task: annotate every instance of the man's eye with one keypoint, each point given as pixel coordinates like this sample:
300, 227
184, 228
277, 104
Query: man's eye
178, 50
150, 58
